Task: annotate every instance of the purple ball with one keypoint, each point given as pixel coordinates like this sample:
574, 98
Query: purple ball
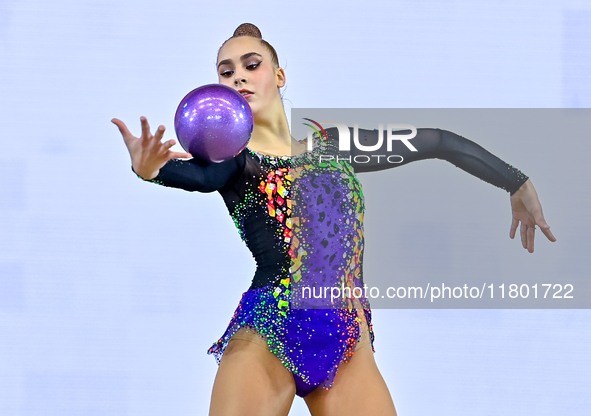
214, 122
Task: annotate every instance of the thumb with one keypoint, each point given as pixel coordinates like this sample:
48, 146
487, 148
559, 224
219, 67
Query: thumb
546, 230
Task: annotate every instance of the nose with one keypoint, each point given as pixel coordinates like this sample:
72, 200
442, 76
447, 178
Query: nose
239, 80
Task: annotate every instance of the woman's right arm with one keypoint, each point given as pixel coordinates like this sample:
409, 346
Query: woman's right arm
153, 161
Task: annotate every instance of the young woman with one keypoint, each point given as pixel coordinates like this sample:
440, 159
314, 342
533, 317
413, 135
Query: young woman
271, 350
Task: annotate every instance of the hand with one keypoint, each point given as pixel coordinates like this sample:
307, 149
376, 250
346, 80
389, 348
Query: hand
527, 209
148, 153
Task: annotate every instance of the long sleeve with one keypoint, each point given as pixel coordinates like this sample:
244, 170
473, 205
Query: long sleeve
433, 143
198, 175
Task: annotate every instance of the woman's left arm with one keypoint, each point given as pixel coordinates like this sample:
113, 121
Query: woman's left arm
433, 143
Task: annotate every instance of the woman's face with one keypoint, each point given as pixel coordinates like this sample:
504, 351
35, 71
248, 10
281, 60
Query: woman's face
243, 63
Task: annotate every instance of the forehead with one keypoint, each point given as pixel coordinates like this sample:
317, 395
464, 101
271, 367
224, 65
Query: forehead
236, 47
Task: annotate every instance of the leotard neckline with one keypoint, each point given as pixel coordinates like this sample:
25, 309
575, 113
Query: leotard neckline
267, 156
285, 158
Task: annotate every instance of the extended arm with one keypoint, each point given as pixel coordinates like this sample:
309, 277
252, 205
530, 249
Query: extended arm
442, 144
433, 143
198, 175
153, 161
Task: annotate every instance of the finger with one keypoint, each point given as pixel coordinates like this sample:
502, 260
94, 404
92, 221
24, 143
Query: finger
145, 128
514, 224
530, 238
122, 127
170, 143
128, 138
180, 155
523, 231
548, 233
546, 229
177, 155
159, 133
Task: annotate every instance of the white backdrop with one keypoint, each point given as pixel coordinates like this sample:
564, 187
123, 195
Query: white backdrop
112, 290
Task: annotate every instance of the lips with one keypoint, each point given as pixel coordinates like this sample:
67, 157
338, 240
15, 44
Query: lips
245, 92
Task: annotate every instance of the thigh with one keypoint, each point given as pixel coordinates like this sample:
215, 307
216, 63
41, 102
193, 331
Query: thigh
358, 389
251, 381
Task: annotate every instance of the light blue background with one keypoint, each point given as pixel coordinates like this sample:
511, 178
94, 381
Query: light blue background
112, 290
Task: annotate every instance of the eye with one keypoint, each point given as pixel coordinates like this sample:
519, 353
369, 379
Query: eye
226, 73
252, 65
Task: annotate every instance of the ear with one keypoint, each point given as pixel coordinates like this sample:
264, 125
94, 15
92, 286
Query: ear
280, 73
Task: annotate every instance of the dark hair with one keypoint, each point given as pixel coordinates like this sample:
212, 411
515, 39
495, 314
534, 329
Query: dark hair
248, 29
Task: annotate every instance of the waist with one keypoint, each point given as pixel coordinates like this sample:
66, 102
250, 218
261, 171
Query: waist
269, 275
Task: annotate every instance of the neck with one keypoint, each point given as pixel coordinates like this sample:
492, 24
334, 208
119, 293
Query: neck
271, 129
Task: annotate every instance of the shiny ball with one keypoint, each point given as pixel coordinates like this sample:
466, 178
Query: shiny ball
214, 123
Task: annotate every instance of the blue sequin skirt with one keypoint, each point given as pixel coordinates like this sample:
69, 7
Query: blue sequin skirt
311, 343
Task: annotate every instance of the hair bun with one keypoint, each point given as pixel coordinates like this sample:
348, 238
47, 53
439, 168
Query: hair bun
247, 29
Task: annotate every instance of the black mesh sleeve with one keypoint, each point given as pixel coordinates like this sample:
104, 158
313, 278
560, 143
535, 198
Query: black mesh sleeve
198, 175
432, 143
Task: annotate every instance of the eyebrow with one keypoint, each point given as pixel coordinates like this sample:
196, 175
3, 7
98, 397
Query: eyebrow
242, 58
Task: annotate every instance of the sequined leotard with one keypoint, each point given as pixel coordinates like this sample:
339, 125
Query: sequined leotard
302, 219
